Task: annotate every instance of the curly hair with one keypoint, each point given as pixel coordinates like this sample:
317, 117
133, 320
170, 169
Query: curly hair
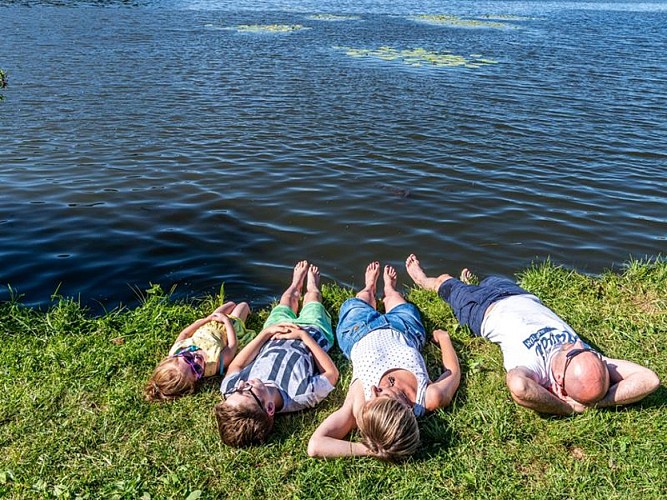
242, 425
389, 429
168, 382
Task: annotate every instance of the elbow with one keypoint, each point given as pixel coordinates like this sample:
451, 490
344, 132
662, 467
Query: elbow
333, 377
652, 382
313, 449
517, 384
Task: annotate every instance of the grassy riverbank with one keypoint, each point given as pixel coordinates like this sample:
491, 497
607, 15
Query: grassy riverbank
73, 421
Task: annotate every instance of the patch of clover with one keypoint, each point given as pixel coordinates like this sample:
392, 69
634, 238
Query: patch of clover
331, 17
267, 28
460, 22
419, 57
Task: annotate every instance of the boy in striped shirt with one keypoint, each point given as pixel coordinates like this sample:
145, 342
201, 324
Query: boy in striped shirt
285, 368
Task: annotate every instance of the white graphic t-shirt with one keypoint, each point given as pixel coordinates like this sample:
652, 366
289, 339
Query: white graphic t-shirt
528, 333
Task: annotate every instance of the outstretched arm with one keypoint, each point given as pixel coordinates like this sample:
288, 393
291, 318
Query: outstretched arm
439, 394
249, 352
629, 383
527, 392
328, 440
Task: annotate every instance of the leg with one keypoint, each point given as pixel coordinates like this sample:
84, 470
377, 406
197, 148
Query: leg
291, 296
313, 293
226, 308
241, 311
392, 297
419, 277
370, 278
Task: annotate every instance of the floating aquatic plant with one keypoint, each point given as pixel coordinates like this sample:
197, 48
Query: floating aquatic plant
419, 57
332, 17
459, 22
267, 28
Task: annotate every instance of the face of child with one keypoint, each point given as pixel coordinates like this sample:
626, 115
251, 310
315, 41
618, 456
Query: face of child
251, 392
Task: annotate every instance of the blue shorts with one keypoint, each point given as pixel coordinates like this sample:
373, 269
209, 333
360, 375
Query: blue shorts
357, 319
470, 302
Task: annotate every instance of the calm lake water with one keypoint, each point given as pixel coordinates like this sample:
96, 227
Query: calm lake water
156, 141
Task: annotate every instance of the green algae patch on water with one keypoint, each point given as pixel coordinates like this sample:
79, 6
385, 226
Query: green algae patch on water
332, 17
267, 28
419, 57
460, 22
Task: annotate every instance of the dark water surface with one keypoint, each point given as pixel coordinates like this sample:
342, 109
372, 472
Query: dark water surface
142, 142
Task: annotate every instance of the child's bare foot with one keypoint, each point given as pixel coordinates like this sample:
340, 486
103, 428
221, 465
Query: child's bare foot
390, 276
299, 275
466, 276
419, 277
371, 276
313, 282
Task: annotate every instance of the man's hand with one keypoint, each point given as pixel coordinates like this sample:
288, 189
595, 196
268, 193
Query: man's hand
576, 406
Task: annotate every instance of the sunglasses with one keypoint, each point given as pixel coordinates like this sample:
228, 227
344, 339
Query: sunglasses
245, 388
573, 353
190, 358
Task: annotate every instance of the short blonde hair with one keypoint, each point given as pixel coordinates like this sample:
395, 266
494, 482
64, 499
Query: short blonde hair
389, 429
168, 382
241, 426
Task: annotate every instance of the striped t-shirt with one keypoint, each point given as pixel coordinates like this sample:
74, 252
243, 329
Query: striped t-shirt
289, 365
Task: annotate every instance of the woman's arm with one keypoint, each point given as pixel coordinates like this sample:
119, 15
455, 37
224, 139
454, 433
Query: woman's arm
440, 393
328, 440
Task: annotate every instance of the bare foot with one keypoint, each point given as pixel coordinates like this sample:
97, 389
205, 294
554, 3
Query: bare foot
313, 283
390, 276
299, 275
371, 276
419, 277
466, 275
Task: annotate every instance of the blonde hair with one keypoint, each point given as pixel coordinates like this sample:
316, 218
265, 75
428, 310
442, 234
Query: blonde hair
168, 382
389, 429
241, 426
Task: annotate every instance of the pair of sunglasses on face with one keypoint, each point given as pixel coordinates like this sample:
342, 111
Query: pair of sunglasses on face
189, 356
245, 387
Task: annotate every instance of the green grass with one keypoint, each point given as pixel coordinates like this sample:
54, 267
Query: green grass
73, 422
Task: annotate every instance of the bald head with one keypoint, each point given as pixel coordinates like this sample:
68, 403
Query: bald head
587, 378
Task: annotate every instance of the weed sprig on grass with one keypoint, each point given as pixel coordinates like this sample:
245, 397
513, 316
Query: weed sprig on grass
73, 422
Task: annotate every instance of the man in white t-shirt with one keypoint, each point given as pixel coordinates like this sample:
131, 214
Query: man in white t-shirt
549, 368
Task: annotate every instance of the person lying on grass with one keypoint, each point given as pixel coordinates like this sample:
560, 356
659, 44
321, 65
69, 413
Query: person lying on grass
203, 349
390, 385
549, 368
285, 368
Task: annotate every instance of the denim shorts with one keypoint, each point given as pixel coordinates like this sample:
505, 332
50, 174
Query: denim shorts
470, 302
358, 319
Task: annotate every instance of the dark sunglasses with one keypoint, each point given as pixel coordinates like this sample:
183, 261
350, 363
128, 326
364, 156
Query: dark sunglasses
245, 388
191, 359
573, 353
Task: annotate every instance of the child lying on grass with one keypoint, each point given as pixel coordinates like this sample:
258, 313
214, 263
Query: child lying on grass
285, 368
203, 349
